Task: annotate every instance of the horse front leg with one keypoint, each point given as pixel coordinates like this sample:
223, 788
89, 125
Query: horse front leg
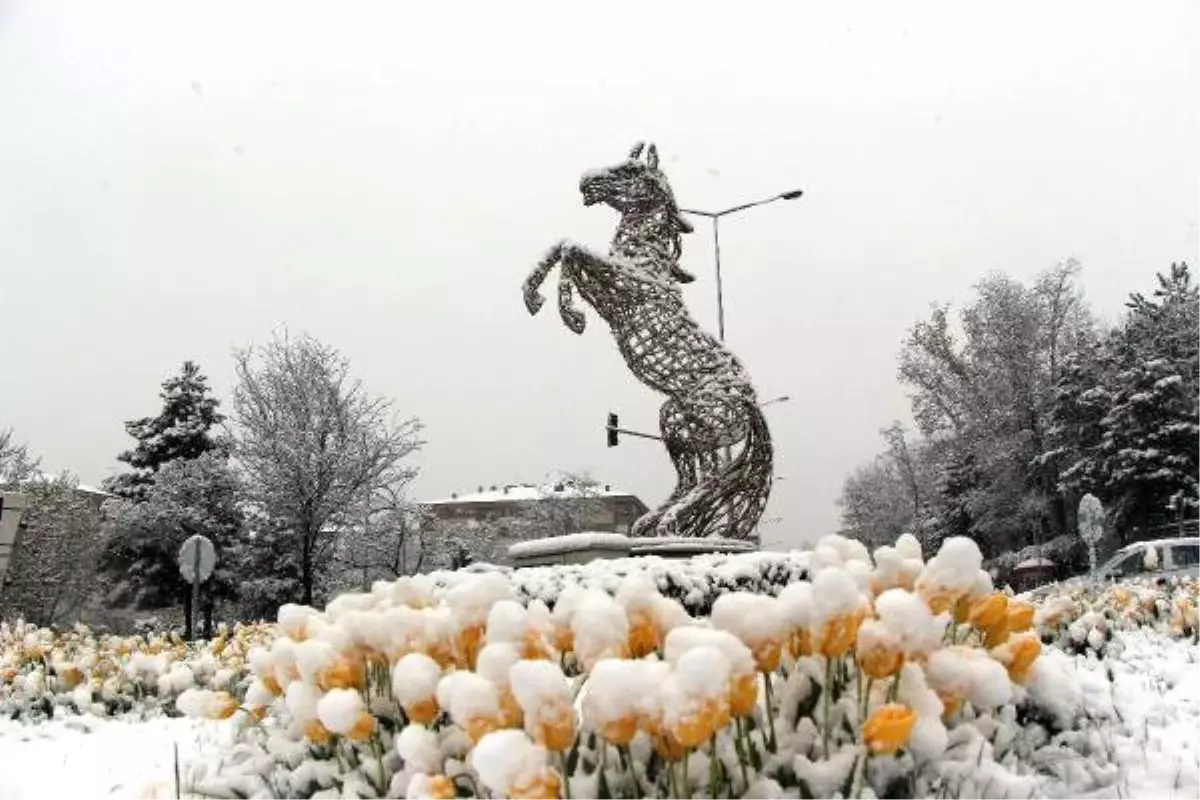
572, 317
533, 300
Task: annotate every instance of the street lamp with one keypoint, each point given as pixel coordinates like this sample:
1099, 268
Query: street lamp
715, 216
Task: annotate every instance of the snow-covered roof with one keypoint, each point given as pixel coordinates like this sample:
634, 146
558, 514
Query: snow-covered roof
47, 477
517, 492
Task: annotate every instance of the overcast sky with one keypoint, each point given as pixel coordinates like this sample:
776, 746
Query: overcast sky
179, 179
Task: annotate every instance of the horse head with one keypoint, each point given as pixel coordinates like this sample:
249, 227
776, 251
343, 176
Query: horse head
637, 187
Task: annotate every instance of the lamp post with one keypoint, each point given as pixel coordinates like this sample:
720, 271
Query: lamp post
715, 216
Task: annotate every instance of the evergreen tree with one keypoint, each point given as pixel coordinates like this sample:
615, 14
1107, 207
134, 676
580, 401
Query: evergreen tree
189, 496
1148, 450
182, 430
1125, 413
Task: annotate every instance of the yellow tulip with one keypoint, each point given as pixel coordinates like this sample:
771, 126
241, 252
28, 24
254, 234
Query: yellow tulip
317, 733
743, 695
644, 637
989, 612
838, 635
668, 747
422, 712
767, 655
441, 788
1019, 617
544, 787
880, 662
888, 728
555, 730
364, 726
620, 731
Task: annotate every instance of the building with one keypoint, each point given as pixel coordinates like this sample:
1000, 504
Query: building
498, 516
13, 505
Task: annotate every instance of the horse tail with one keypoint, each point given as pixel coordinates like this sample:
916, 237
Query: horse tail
730, 503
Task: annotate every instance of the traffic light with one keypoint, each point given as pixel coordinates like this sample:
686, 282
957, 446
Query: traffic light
612, 429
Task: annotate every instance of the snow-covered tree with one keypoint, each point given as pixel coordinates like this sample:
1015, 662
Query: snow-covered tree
52, 568
189, 496
893, 493
313, 444
182, 430
982, 395
875, 505
386, 539
1125, 413
16, 465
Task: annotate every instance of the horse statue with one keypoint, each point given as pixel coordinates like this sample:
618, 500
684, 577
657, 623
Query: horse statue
711, 407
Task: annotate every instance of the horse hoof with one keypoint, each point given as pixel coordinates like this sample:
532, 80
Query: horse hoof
533, 302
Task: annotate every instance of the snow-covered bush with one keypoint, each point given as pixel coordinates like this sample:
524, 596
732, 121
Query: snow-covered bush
695, 582
46, 673
884, 675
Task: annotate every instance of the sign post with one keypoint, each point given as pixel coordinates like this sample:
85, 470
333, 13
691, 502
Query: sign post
197, 558
1091, 525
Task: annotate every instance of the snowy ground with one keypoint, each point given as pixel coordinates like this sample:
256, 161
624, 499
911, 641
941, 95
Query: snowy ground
1150, 714
90, 757
1156, 692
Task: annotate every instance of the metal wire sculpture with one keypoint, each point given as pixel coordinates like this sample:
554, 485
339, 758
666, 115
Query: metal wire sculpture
711, 406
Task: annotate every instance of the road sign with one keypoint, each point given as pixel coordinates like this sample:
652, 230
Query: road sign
197, 558
1091, 524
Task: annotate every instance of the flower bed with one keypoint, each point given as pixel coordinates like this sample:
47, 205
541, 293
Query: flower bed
44, 673
884, 676
1082, 617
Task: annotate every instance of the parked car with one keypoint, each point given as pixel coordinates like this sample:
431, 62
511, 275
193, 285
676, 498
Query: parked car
1160, 558
1170, 558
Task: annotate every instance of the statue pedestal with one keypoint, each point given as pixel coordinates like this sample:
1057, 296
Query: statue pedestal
573, 548
580, 548
685, 547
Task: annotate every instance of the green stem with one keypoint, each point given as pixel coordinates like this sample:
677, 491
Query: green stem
739, 724
627, 756
894, 689
865, 698
686, 789
712, 767
825, 694
378, 752
770, 712
562, 756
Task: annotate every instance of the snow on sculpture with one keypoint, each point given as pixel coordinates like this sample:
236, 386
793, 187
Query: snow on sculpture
711, 405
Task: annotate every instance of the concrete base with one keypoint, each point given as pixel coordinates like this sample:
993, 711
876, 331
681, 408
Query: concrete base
580, 548
682, 547
574, 548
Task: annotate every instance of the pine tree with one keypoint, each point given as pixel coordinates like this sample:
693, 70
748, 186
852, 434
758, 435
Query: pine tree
1082, 398
1124, 422
182, 430
1149, 446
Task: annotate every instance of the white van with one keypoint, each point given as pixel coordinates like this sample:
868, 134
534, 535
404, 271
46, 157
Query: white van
1160, 558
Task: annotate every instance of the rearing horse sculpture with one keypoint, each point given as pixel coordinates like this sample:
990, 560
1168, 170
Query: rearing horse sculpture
711, 407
